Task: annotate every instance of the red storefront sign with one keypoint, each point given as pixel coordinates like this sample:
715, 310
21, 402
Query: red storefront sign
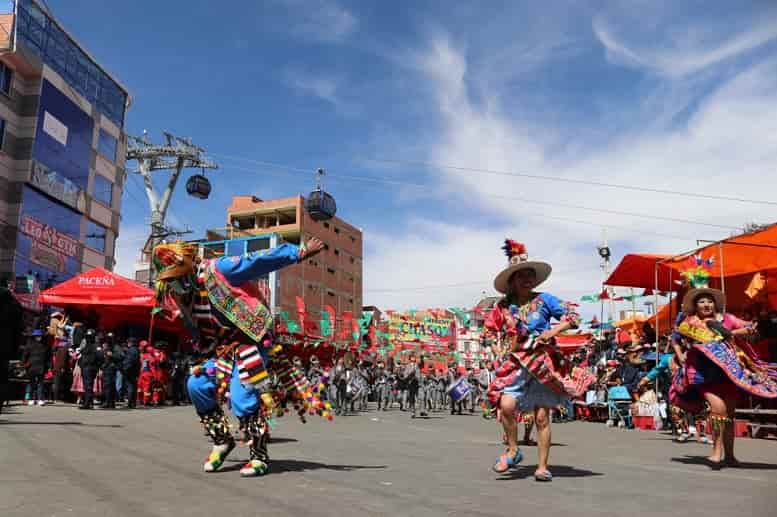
50, 237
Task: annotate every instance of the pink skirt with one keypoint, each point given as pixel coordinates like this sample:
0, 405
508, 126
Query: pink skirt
78, 381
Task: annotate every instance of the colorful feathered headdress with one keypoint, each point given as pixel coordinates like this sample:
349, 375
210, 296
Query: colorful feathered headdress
697, 274
697, 278
515, 251
173, 260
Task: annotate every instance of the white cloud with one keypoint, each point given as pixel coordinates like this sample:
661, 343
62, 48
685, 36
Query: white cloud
307, 82
727, 147
680, 58
323, 21
128, 245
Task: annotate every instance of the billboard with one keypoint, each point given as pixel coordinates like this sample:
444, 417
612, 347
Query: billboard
48, 238
423, 326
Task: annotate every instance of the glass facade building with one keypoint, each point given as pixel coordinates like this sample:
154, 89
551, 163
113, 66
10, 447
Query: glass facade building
39, 33
63, 121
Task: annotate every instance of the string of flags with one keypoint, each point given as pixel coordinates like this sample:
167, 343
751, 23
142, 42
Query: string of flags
605, 295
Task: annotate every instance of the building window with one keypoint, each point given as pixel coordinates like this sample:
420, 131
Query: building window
107, 145
331, 270
337, 252
6, 76
2, 133
103, 190
353, 239
353, 260
95, 236
326, 225
337, 230
258, 244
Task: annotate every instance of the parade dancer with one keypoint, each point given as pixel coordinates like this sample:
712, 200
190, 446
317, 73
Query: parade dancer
381, 386
718, 365
221, 304
534, 376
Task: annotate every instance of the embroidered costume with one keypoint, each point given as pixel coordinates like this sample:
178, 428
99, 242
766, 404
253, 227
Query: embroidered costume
536, 374
221, 304
716, 361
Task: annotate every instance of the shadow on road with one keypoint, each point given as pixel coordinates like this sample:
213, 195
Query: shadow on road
277, 466
22, 422
744, 465
283, 440
558, 471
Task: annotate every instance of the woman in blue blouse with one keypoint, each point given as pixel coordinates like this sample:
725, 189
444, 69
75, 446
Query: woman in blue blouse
531, 379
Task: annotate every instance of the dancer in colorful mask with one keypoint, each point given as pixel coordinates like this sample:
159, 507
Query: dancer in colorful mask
717, 363
534, 376
221, 304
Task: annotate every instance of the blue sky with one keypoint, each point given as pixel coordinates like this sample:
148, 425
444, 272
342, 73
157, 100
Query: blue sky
643, 93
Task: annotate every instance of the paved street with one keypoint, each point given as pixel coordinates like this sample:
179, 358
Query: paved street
59, 461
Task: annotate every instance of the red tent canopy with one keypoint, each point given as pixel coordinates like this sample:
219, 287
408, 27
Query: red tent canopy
98, 287
115, 299
639, 270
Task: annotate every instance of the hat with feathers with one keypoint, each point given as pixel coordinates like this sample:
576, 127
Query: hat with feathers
518, 259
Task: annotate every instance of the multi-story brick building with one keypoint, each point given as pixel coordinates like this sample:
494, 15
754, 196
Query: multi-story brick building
62, 150
334, 277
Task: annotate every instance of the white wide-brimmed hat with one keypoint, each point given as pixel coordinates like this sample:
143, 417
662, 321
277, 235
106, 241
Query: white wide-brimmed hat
697, 277
518, 260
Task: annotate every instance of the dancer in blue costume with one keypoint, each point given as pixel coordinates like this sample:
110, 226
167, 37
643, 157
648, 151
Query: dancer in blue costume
222, 306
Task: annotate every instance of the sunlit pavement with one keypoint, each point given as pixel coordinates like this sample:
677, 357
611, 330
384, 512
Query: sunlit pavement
60, 461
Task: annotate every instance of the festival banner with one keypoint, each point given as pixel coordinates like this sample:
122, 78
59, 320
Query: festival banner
421, 326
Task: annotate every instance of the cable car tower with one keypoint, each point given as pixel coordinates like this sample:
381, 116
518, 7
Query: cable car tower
177, 154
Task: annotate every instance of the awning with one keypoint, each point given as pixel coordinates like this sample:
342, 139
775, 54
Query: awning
665, 316
98, 287
744, 254
630, 323
569, 343
639, 270
740, 255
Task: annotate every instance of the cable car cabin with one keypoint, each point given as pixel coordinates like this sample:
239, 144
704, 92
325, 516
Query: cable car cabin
198, 186
320, 205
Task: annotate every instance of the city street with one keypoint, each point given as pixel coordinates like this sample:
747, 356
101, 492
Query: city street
60, 461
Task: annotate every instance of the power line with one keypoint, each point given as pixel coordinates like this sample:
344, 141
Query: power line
495, 196
577, 181
557, 179
464, 284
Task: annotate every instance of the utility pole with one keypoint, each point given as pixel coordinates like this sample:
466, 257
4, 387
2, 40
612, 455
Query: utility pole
605, 254
177, 154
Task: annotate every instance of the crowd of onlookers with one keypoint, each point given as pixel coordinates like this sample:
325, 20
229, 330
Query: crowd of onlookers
68, 362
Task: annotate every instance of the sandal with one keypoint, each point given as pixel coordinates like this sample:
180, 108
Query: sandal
543, 477
505, 462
